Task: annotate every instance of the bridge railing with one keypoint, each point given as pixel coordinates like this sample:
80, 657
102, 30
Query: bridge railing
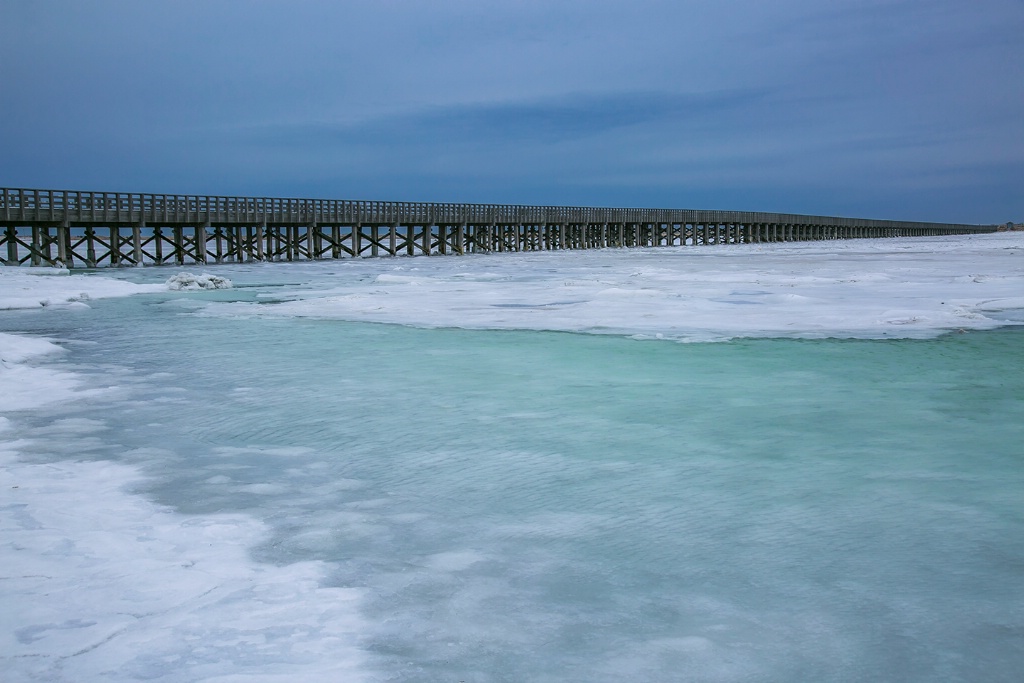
66, 206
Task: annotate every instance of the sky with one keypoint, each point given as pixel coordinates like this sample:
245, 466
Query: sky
910, 110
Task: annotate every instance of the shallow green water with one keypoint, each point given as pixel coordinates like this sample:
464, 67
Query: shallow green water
552, 507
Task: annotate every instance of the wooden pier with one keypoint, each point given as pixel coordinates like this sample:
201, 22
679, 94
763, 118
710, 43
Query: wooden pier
95, 229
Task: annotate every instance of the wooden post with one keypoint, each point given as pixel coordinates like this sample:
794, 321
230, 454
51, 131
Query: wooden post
137, 242
243, 246
229, 243
11, 235
64, 245
179, 246
218, 244
251, 243
48, 242
158, 246
200, 245
115, 246
258, 231
90, 247
36, 246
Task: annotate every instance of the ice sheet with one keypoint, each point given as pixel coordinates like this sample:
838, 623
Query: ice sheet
879, 288
99, 584
25, 387
40, 287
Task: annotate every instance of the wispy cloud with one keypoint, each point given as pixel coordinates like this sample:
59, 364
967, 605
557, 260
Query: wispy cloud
865, 104
552, 120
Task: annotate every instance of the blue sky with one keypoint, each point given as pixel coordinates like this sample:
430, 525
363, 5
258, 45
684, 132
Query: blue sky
873, 108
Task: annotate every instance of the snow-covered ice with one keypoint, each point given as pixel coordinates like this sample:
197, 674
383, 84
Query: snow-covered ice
100, 584
40, 287
881, 288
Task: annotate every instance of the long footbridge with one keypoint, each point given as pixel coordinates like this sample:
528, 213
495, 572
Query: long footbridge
93, 229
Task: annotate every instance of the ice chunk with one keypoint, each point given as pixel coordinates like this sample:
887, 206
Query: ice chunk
190, 282
15, 348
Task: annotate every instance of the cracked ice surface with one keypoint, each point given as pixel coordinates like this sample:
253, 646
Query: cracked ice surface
878, 288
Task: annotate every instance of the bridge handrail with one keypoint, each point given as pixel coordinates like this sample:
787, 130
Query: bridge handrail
95, 207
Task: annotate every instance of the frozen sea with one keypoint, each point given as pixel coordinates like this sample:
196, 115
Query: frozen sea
757, 463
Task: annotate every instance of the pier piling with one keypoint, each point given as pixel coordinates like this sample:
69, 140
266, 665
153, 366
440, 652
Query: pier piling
96, 229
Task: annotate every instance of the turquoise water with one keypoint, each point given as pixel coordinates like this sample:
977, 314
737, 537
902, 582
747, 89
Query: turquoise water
534, 506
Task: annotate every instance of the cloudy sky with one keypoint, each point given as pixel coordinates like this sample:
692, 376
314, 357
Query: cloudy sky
908, 109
